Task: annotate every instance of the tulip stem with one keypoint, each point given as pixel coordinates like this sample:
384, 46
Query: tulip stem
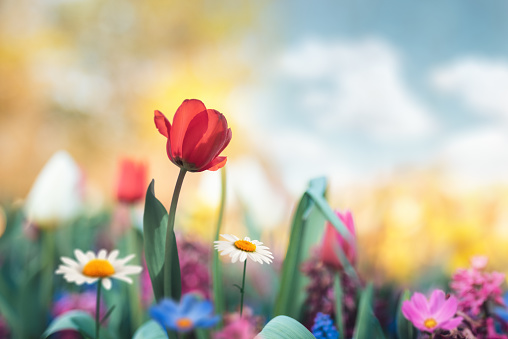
242, 290
98, 309
172, 275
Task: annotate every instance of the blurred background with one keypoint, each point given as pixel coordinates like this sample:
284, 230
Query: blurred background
401, 105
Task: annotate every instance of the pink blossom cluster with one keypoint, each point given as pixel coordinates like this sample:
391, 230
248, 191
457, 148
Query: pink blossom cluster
474, 287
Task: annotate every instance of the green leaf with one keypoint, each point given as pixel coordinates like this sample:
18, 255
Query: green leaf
367, 326
73, 320
339, 320
218, 293
150, 330
405, 329
155, 220
282, 327
306, 230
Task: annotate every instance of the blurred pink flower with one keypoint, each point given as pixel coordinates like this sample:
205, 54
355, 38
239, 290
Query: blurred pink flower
491, 330
429, 315
238, 329
479, 262
332, 240
474, 287
75, 301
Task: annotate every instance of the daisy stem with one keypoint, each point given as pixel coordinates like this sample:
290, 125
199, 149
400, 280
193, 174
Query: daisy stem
97, 309
242, 290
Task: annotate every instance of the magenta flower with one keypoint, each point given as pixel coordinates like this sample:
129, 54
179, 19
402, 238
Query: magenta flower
429, 315
475, 287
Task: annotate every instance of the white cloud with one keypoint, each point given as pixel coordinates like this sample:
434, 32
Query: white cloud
477, 157
356, 86
481, 84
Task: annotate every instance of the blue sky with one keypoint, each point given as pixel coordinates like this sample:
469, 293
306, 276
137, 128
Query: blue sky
351, 89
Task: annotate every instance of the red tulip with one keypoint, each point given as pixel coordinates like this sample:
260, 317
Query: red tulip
196, 138
333, 240
131, 181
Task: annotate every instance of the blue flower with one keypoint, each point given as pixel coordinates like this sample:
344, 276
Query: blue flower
190, 313
502, 311
323, 327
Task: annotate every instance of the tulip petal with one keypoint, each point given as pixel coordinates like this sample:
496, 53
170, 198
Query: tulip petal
183, 116
210, 144
162, 123
193, 137
216, 164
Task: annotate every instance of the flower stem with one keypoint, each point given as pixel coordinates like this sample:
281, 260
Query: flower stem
242, 290
98, 309
172, 278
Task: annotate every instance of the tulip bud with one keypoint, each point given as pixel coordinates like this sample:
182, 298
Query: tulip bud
56, 195
333, 240
131, 184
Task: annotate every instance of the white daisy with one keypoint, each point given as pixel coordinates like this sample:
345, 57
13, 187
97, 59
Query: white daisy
89, 268
239, 249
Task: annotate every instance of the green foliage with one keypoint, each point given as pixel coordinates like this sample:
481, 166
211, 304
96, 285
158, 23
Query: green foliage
405, 329
150, 330
73, 320
155, 220
282, 327
218, 293
339, 320
308, 222
367, 326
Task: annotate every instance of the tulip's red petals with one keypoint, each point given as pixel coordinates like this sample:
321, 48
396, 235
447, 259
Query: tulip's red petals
162, 123
330, 246
212, 142
183, 116
216, 164
193, 137
169, 152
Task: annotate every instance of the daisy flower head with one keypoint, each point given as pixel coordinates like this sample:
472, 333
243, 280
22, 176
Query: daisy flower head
88, 268
239, 249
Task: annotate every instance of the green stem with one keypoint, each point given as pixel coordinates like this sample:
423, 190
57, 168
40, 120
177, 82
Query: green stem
98, 309
218, 295
242, 291
172, 279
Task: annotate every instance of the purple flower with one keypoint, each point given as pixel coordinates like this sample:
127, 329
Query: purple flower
429, 315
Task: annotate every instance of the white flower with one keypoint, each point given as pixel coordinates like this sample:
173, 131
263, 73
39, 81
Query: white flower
89, 268
55, 196
241, 249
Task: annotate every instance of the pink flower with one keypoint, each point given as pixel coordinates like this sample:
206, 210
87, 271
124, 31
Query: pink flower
474, 287
238, 329
479, 262
332, 240
429, 315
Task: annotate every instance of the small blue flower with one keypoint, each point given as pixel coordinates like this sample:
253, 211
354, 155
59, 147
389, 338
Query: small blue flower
323, 327
502, 311
190, 313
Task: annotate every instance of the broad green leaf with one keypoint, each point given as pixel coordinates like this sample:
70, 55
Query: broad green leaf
405, 329
73, 320
150, 330
155, 220
306, 230
218, 293
339, 320
282, 327
367, 326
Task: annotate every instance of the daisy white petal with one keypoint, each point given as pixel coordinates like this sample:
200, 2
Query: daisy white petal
240, 250
90, 267
106, 283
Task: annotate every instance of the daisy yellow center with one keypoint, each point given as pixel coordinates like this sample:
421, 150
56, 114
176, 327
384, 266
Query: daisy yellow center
98, 268
430, 323
245, 245
184, 323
